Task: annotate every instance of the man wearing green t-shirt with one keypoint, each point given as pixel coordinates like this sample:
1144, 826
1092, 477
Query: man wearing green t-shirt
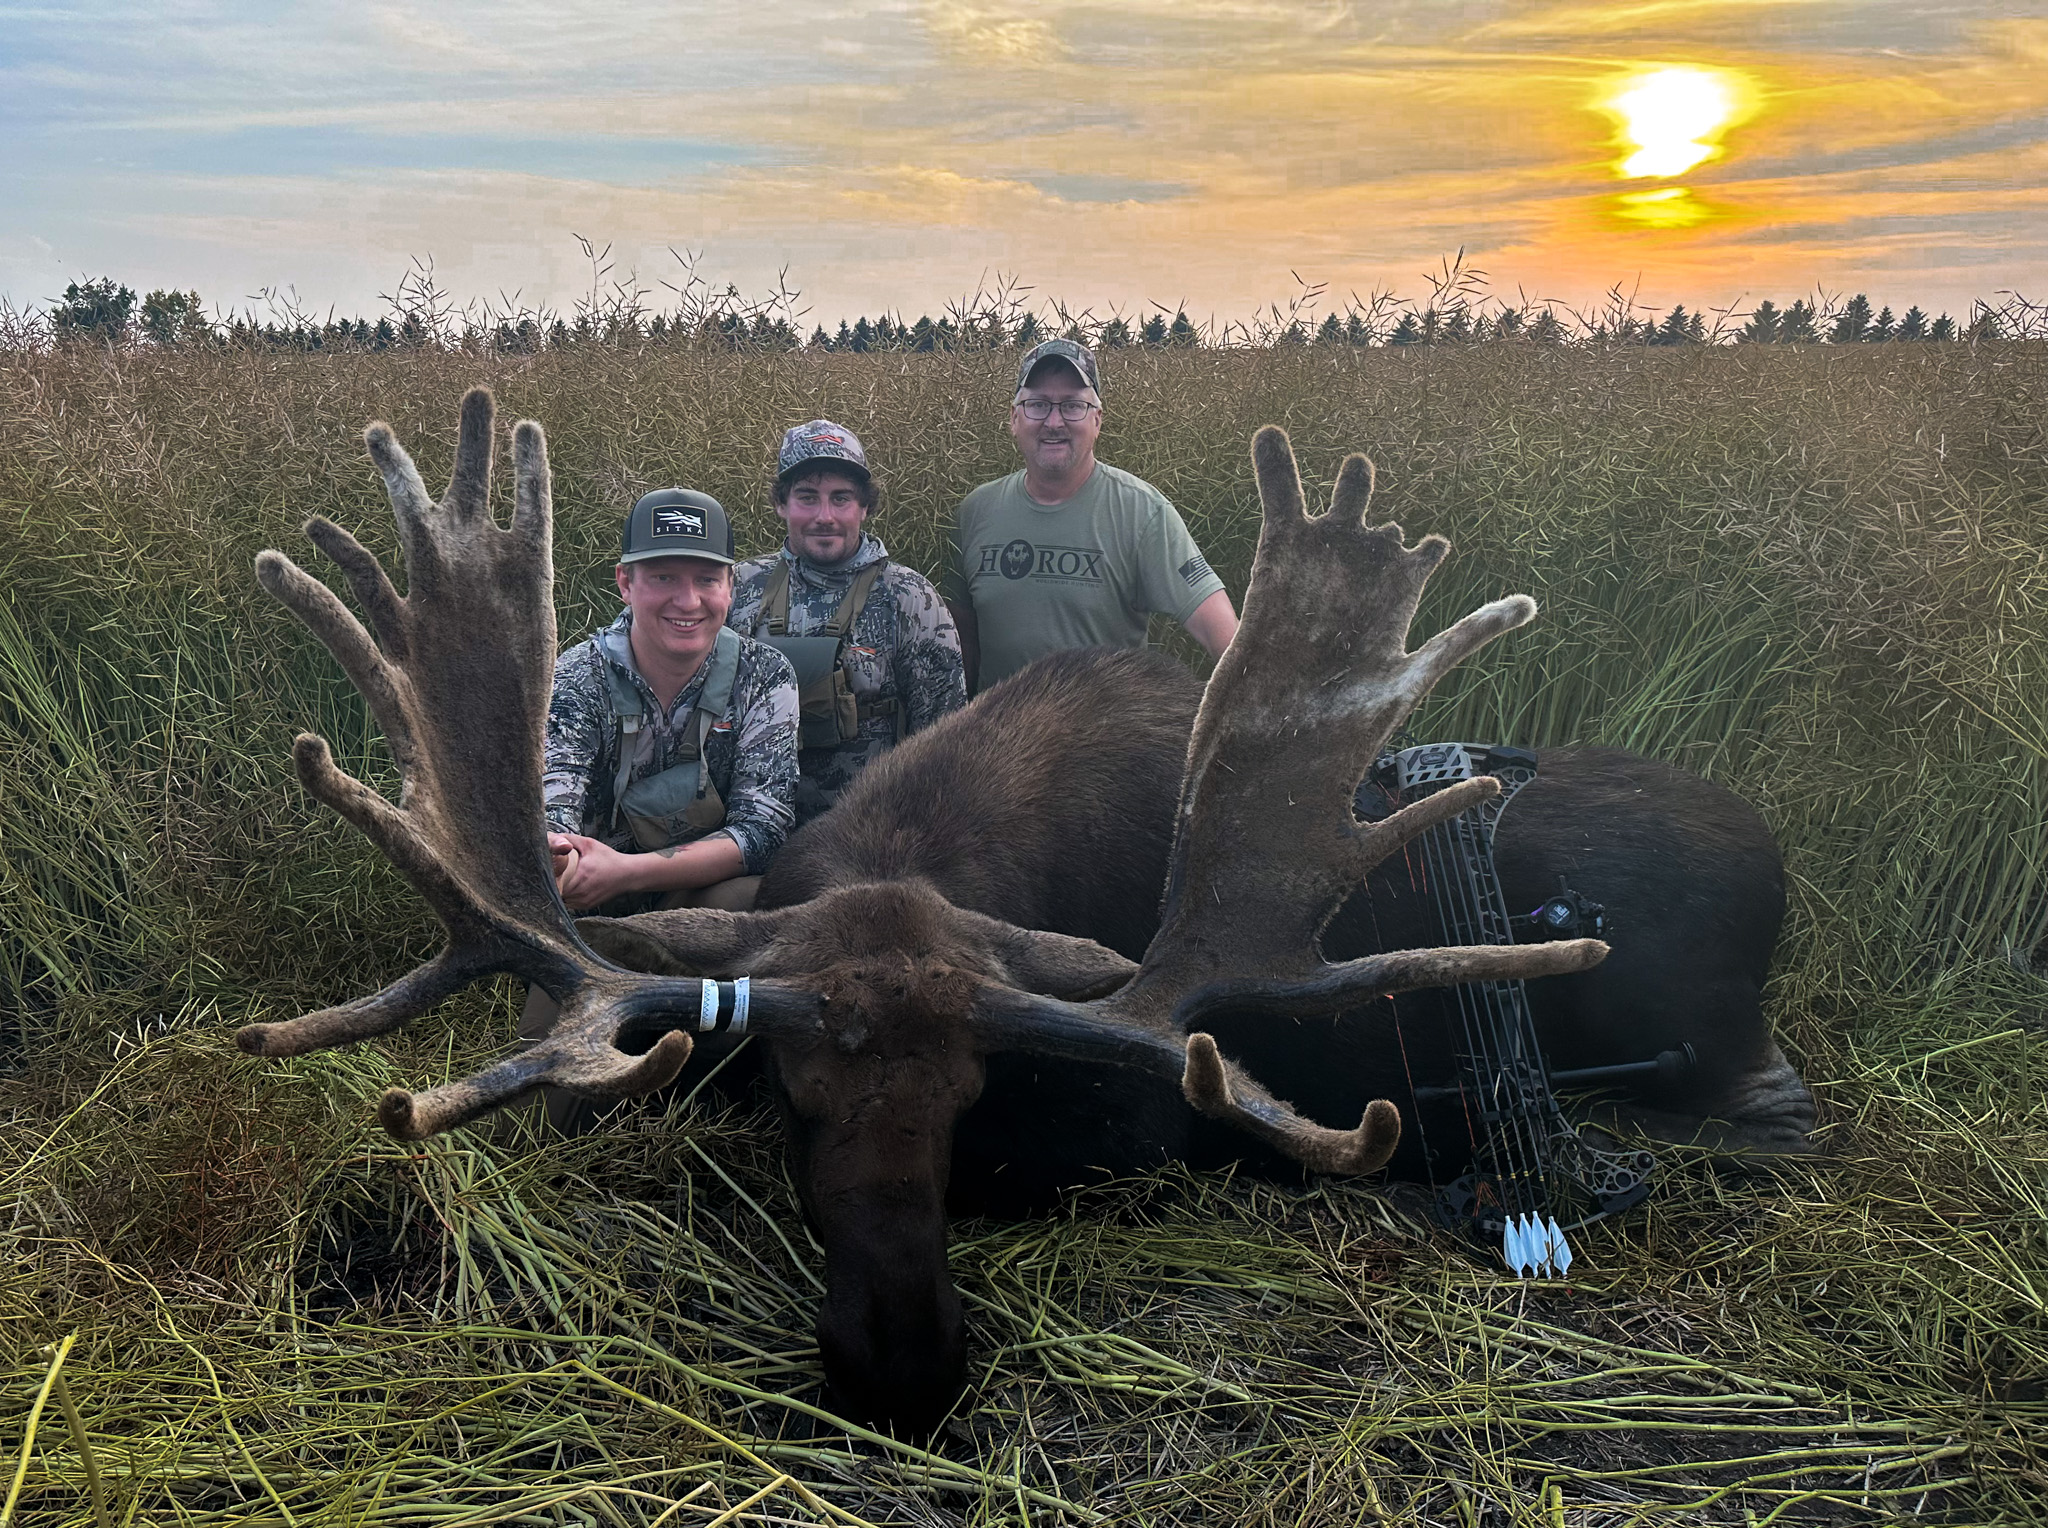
1071, 552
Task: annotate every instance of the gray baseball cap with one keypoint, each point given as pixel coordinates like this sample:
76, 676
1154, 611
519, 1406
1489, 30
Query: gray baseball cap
677, 522
1075, 355
820, 441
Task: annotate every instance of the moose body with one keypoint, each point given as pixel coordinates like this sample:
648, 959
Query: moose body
1693, 886
942, 972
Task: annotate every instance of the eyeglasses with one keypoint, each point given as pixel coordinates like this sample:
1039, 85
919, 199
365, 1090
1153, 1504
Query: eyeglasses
1038, 410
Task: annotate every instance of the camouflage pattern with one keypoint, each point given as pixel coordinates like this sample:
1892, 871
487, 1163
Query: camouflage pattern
751, 751
903, 647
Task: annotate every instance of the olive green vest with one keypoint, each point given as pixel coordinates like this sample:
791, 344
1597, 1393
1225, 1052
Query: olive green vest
830, 713
683, 789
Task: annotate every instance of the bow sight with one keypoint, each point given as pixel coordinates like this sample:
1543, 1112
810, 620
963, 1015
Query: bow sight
1534, 1177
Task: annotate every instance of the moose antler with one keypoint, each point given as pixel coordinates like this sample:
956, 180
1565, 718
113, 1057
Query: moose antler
1267, 844
458, 676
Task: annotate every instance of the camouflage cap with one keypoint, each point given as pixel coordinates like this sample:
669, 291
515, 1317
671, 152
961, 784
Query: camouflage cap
819, 440
677, 522
1074, 354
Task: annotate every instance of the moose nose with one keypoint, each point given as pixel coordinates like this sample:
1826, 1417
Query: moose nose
895, 1351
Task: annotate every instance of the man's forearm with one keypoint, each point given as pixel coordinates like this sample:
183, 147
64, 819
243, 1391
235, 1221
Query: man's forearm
685, 867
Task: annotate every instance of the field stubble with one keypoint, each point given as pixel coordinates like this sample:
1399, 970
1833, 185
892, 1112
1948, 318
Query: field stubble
1815, 575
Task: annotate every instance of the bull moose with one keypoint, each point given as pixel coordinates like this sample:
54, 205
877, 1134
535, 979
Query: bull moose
965, 977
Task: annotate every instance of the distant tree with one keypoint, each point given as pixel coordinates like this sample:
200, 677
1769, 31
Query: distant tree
1762, 328
843, 340
1881, 328
1406, 332
820, 340
1356, 331
1153, 331
863, 337
1293, 334
1985, 325
888, 333
1457, 326
1116, 335
1913, 326
924, 338
1548, 329
1677, 328
1944, 328
1180, 332
94, 310
1852, 324
1330, 331
1799, 326
175, 318
1028, 332
1507, 324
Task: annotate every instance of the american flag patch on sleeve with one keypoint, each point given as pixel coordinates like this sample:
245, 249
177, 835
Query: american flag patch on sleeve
1195, 569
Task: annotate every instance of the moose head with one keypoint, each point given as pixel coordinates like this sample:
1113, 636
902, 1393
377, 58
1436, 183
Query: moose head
879, 1001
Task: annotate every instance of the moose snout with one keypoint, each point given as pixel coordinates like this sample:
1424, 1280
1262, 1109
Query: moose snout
894, 1341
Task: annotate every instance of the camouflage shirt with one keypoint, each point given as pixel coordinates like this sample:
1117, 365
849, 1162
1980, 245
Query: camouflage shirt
751, 751
902, 647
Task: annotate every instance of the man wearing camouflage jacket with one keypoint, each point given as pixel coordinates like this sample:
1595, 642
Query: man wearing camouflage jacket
870, 675
670, 762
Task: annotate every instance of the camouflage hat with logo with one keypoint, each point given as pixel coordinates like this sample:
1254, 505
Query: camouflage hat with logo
1072, 353
819, 441
677, 522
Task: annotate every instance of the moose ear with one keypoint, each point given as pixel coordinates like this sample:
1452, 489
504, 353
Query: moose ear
683, 941
1061, 966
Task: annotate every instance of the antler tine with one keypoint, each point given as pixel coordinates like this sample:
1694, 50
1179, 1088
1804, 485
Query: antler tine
458, 677
1007, 1019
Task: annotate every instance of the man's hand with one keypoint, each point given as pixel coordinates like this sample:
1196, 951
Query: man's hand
589, 872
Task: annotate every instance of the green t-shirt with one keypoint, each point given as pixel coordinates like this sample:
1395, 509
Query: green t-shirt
1085, 573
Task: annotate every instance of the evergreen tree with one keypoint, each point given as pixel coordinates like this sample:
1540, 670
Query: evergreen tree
888, 333
1330, 331
1406, 332
1028, 332
923, 338
1507, 324
1762, 328
1116, 335
175, 318
1913, 326
1355, 331
1181, 332
1852, 323
1881, 327
820, 340
1458, 326
1548, 329
863, 337
1154, 331
1676, 328
1799, 325
94, 310
1944, 328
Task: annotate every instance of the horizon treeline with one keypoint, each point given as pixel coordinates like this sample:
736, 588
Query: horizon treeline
1459, 310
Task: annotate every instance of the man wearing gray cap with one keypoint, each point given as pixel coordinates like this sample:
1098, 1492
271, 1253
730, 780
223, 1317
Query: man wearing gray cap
875, 653
670, 774
1071, 552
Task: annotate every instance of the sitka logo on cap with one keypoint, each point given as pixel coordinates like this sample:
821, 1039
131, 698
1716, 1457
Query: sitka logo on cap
678, 522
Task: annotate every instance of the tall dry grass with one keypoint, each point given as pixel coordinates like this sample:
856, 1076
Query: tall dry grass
1813, 574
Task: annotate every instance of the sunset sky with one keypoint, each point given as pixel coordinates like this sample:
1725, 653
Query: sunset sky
894, 156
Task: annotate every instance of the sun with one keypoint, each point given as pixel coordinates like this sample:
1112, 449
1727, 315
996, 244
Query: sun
1672, 117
